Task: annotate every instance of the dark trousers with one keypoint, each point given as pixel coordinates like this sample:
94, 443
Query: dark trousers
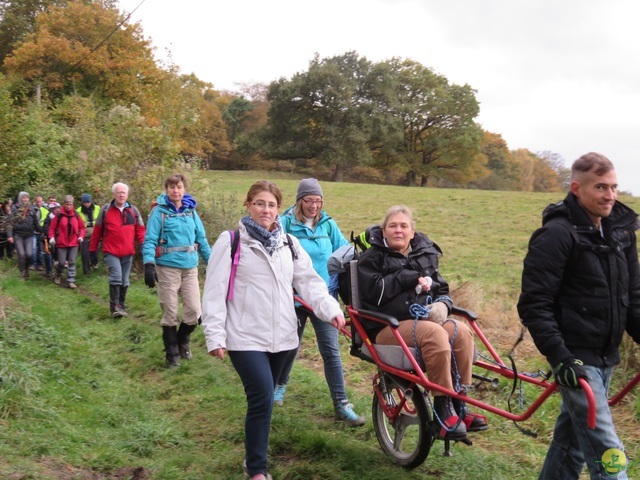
258, 372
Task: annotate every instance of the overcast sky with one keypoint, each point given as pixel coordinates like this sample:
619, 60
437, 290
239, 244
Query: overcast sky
551, 75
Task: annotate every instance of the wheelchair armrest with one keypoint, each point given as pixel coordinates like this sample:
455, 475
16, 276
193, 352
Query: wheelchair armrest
380, 317
463, 312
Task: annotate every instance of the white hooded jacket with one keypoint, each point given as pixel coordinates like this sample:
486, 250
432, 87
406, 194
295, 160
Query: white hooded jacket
261, 316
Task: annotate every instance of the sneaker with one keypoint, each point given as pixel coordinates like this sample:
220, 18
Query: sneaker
278, 394
345, 413
72, 285
118, 312
56, 280
259, 476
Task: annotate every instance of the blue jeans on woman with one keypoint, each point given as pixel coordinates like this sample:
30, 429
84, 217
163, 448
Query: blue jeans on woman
327, 338
574, 444
258, 372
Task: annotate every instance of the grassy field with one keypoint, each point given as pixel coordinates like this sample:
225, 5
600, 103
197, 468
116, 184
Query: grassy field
83, 396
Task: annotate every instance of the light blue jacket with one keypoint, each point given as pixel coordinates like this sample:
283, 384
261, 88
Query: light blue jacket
176, 232
319, 243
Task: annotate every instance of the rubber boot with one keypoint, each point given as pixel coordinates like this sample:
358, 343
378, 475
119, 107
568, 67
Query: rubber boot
170, 338
114, 301
21, 266
451, 427
184, 335
122, 297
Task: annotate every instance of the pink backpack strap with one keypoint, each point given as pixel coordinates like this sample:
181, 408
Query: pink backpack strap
235, 258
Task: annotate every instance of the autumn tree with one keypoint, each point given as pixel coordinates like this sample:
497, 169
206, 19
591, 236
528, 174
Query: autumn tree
537, 175
17, 19
85, 48
504, 172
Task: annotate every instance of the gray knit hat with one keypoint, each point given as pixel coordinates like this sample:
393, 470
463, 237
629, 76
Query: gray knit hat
308, 186
86, 198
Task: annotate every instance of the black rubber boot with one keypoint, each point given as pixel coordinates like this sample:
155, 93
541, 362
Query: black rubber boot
184, 335
114, 301
170, 338
121, 299
451, 426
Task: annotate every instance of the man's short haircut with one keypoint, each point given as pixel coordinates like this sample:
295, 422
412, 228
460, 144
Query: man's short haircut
175, 179
119, 184
591, 162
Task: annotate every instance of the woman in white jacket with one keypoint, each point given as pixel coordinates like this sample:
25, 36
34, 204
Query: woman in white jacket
258, 326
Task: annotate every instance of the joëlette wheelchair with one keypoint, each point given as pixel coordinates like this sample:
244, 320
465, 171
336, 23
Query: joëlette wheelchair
402, 415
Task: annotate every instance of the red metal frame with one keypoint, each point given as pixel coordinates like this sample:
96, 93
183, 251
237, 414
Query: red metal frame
418, 377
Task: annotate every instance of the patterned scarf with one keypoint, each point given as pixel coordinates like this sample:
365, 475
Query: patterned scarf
270, 240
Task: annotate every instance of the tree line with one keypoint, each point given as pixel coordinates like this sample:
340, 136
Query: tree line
84, 103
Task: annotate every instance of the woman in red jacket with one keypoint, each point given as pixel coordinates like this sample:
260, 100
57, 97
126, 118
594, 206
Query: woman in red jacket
66, 233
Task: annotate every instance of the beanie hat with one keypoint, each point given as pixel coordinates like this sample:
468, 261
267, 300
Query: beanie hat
85, 198
308, 186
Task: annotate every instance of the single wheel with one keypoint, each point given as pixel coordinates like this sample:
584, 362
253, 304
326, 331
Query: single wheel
401, 424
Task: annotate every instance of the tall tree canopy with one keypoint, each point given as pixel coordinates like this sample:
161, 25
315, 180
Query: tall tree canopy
80, 48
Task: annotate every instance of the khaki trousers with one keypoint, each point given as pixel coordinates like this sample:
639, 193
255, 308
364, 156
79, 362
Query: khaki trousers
433, 341
183, 282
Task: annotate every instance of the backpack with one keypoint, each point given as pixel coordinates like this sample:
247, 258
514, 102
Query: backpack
103, 213
340, 264
235, 257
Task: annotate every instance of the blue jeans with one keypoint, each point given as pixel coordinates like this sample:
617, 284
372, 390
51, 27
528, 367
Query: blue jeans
258, 371
119, 269
574, 444
327, 339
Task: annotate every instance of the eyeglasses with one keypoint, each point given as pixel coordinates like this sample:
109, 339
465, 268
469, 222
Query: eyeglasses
308, 201
260, 204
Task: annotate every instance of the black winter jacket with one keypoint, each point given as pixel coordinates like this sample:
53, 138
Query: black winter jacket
580, 291
24, 221
387, 279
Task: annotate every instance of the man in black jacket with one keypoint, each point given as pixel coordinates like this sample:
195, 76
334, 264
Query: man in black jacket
580, 292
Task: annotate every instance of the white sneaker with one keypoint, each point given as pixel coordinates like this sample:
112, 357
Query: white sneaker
72, 285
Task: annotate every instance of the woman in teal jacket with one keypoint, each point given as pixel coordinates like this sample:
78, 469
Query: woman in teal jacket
175, 236
320, 236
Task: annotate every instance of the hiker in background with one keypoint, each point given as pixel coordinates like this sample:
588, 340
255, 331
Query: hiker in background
174, 238
400, 270
580, 292
66, 233
38, 238
119, 226
23, 224
48, 250
6, 248
320, 236
89, 212
258, 326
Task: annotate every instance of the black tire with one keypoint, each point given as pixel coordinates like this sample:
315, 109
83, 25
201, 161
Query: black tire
409, 439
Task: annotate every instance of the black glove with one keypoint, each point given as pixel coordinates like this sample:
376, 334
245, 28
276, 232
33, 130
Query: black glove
568, 372
93, 259
150, 277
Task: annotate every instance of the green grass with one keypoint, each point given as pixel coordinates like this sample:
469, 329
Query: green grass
83, 394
